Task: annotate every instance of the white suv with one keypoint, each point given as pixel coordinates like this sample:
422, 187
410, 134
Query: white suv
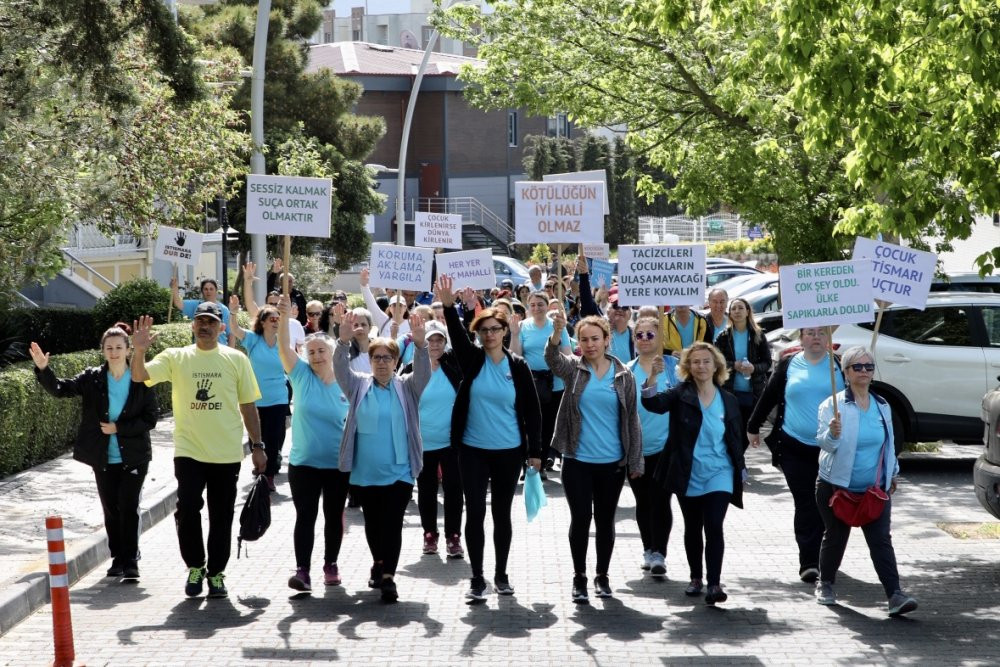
932, 365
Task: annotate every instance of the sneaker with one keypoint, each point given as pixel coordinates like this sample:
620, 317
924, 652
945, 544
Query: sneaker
695, 588
331, 575
477, 590
580, 589
646, 562
430, 544
825, 594
131, 571
300, 581
375, 576
809, 575
550, 463
115, 570
657, 565
715, 594
389, 592
196, 577
217, 587
453, 545
602, 587
501, 584
900, 603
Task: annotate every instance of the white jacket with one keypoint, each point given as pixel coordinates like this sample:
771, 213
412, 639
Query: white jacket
836, 460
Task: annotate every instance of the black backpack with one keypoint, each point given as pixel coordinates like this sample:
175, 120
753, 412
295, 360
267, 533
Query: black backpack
256, 515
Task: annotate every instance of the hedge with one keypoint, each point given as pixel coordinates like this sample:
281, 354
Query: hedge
37, 427
57, 330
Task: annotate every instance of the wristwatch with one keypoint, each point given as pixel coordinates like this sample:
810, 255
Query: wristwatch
256, 445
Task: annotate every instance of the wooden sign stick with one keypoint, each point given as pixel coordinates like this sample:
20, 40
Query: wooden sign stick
833, 372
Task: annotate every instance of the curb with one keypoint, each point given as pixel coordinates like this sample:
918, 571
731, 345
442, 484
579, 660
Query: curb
31, 593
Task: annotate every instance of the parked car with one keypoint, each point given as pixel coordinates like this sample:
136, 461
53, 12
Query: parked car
986, 472
966, 282
715, 275
932, 365
765, 300
508, 268
749, 284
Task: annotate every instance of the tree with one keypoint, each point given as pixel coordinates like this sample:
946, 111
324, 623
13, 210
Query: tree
624, 220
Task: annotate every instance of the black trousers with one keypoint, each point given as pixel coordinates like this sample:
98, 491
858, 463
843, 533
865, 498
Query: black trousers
427, 491
705, 514
218, 482
272, 431
120, 490
384, 508
800, 465
652, 508
496, 470
877, 535
592, 490
550, 409
308, 484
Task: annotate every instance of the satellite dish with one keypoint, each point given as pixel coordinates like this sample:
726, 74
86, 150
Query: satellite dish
408, 40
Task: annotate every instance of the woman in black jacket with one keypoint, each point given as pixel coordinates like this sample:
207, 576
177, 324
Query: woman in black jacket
702, 463
496, 424
748, 356
116, 418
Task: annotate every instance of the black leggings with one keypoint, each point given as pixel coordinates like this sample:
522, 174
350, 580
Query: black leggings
705, 513
384, 508
498, 471
800, 465
308, 484
592, 489
272, 431
549, 411
427, 491
120, 491
652, 508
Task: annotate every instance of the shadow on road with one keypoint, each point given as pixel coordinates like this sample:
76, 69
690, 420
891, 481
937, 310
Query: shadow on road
509, 620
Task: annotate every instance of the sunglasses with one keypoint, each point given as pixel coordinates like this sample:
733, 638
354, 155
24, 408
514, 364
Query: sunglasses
272, 319
381, 358
857, 368
491, 330
645, 335
314, 313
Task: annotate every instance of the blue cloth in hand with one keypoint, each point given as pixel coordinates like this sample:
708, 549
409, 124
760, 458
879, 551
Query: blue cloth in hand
534, 493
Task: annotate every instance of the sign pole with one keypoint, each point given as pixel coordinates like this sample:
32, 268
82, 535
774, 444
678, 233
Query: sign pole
170, 307
878, 323
287, 259
833, 372
559, 274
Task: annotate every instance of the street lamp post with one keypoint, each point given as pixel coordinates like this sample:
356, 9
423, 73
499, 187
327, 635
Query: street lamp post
225, 231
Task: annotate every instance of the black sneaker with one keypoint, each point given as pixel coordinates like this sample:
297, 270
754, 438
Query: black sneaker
602, 587
195, 581
715, 594
375, 576
116, 570
580, 589
809, 575
131, 571
501, 584
477, 590
550, 463
217, 586
389, 592
695, 588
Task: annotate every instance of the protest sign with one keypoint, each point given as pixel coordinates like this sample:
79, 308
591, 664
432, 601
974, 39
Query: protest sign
558, 212
600, 273
178, 246
437, 230
288, 205
899, 275
400, 267
661, 275
584, 176
826, 293
597, 250
470, 268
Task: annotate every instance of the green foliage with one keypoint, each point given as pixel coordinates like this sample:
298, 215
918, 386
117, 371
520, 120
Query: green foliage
764, 246
734, 247
56, 330
37, 426
130, 300
541, 254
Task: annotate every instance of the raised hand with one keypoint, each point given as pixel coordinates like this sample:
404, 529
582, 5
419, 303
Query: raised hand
469, 297
445, 293
173, 282
657, 366
142, 334
338, 313
418, 329
515, 324
558, 323
347, 326
365, 273
40, 358
285, 306
250, 271
234, 303
581, 262
277, 266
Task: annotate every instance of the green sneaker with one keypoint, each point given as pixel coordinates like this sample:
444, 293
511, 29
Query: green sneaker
217, 587
196, 577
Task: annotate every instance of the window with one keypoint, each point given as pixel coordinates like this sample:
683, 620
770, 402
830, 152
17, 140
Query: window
500, 268
934, 326
425, 37
383, 35
991, 319
512, 129
558, 126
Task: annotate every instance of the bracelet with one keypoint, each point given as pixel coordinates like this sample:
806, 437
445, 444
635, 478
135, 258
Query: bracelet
256, 445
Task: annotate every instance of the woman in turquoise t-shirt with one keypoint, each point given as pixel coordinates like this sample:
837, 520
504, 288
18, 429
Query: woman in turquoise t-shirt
261, 346
317, 427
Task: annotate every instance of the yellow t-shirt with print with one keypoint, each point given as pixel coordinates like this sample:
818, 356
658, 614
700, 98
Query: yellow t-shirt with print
208, 387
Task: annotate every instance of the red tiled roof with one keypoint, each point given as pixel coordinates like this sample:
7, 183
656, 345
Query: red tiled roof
363, 58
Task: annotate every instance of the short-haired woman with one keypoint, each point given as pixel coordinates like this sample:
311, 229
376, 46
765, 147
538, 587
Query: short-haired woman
704, 463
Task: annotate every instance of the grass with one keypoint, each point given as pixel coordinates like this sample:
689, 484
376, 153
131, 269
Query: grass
923, 447
972, 531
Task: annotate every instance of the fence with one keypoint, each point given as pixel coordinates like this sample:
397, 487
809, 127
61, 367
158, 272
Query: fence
706, 229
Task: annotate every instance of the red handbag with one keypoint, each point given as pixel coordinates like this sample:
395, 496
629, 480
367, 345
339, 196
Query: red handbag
859, 509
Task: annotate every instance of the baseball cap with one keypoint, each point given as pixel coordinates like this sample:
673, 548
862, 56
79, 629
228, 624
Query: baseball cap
435, 329
209, 309
397, 299
507, 283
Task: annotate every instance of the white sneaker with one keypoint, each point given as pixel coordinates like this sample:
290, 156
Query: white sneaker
647, 559
657, 564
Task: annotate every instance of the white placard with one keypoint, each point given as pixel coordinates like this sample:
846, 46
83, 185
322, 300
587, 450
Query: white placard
370, 223
289, 205
470, 268
597, 251
181, 246
558, 212
577, 176
400, 267
661, 275
899, 275
437, 230
826, 293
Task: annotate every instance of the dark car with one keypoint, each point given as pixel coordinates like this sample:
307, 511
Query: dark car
986, 473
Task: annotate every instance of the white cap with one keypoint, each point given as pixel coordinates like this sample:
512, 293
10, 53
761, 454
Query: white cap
435, 328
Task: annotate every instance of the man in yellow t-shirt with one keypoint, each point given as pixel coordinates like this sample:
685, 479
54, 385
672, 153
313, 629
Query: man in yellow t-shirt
213, 386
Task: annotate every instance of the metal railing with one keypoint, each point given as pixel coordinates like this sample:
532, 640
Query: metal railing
706, 229
472, 211
75, 261
86, 239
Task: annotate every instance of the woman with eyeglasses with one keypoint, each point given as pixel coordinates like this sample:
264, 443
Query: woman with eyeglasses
317, 427
391, 322
496, 425
529, 339
797, 387
652, 500
703, 459
381, 446
857, 452
261, 346
598, 434
748, 356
